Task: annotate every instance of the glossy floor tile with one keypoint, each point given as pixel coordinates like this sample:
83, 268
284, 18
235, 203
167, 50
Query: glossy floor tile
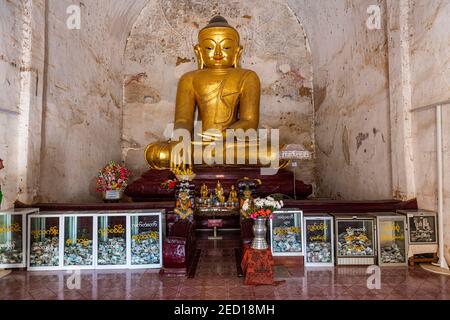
216, 279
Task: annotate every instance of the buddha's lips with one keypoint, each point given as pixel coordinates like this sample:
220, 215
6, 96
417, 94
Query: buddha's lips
218, 58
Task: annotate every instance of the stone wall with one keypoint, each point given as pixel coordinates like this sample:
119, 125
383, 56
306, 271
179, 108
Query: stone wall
351, 98
160, 50
10, 54
83, 114
430, 69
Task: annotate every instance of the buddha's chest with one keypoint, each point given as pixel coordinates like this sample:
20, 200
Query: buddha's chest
210, 87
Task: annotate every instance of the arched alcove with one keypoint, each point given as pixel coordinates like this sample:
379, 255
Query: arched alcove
160, 49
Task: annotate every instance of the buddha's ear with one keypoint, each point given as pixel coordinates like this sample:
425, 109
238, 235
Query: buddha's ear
237, 57
200, 60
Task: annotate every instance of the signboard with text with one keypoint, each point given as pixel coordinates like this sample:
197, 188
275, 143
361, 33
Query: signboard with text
286, 232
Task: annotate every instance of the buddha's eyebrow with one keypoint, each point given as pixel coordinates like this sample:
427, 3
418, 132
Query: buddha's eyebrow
226, 40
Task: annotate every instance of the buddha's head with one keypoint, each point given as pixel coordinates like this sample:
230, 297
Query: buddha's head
218, 45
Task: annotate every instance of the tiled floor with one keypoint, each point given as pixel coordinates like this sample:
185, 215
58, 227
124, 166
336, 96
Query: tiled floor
216, 279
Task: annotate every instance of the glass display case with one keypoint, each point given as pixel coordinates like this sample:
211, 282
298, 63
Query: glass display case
355, 240
78, 241
422, 226
13, 237
319, 249
96, 239
44, 245
392, 244
146, 240
112, 240
286, 232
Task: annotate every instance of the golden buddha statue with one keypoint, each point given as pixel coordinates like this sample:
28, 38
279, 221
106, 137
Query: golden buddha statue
227, 97
204, 191
247, 197
219, 192
233, 197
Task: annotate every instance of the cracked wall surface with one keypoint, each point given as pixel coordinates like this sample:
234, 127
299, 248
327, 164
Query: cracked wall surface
10, 54
430, 77
160, 50
83, 114
351, 98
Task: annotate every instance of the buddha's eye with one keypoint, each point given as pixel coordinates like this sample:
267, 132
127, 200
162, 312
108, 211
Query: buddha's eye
209, 48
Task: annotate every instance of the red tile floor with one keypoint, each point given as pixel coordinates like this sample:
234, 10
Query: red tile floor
216, 278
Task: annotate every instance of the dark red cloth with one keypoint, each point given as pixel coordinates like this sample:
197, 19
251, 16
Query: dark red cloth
179, 246
257, 266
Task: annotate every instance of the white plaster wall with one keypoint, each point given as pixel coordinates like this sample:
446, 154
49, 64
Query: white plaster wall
10, 53
430, 77
160, 50
82, 117
351, 98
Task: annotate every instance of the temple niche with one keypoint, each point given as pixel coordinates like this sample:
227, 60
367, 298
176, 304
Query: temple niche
160, 49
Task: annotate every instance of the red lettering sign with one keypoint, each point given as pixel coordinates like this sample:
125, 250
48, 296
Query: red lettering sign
215, 223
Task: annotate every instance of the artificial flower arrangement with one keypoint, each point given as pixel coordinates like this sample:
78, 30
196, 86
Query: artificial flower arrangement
183, 173
168, 184
262, 207
182, 170
112, 177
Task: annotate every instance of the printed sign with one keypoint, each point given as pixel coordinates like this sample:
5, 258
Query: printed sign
392, 241
11, 230
78, 241
286, 232
145, 240
112, 243
422, 229
318, 241
215, 223
355, 238
44, 242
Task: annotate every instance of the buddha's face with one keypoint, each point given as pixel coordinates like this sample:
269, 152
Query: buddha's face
219, 47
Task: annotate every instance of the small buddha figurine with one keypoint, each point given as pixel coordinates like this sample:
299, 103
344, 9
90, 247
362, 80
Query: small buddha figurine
220, 194
225, 95
183, 206
246, 195
233, 197
204, 191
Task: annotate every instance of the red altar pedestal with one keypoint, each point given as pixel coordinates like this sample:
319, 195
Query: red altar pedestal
257, 266
148, 186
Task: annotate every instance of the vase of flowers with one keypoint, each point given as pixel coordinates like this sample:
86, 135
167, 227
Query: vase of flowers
261, 210
112, 181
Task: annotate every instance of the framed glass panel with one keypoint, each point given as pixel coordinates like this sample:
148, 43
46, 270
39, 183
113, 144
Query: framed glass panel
422, 228
319, 241
44, 241
286, 233
112, 241
355, 238
145, 240
392, 240
78, 241
11, 240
